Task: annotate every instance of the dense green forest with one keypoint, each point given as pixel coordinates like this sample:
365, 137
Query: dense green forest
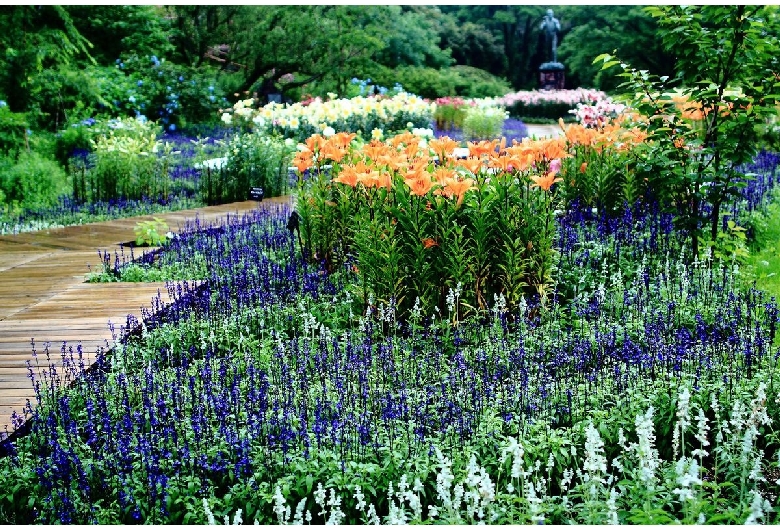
178, 63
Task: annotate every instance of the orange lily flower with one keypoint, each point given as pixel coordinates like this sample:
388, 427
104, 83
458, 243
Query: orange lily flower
375, 149
348, 176
343, 139
411, 150
458, 188
332, 151
429, 242
472, 164
369, 179
315, 142
481, 148
554, 148
405, 138
441, 174
545, 182
421, 184
302, 160
443, 146
506, 163
583, 167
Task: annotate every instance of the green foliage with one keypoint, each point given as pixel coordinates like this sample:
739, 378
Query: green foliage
128, 162
703, 133
122, 30
483, 122
13, 130
436, 83
250, 160
449, 113
594, 30
33, 181
151, 233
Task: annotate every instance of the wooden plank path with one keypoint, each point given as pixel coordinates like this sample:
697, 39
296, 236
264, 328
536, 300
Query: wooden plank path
43, 295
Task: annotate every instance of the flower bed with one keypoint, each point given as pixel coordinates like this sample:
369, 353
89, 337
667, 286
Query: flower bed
267, 393
299, 120
548, 104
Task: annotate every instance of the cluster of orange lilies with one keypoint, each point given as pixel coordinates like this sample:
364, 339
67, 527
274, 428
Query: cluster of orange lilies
378, 163
613, 134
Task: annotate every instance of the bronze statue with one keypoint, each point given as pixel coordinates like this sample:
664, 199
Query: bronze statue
551, 27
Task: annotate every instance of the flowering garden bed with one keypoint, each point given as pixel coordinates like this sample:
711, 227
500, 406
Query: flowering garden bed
515, 337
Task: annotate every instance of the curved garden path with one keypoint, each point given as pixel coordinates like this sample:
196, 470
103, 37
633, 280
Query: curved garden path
43, 295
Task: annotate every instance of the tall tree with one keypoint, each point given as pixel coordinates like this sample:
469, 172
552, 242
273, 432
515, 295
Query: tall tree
34, 38
117, 31
588, 31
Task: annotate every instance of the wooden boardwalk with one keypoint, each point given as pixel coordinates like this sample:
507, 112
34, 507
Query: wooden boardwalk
43, 295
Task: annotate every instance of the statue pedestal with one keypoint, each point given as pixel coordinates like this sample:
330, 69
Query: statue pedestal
551, 76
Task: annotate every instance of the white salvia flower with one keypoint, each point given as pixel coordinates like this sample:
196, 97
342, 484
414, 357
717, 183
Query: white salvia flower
534, 504
755, 471
371, 516
568, 474
298, 519
336, 515
360, 498
281, 509
550, 463
515, 449
758, 508
209, 515
683, 419
416, 311
510, 488
644, 449
687, 471
319, 497
457, 496
433, 512
758, 407
701, 434
701, 519
444, 479
747, 443
612, 516
595, 461
451, 301
237, 519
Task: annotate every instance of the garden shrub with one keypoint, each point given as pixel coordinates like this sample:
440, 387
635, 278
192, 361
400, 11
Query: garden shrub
13, 129
450, 113
175, 95
251, 160
703, 132
33, 181
483, 121
431, 83
128, 162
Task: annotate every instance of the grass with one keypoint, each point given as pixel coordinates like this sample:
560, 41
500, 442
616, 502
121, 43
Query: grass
764, 261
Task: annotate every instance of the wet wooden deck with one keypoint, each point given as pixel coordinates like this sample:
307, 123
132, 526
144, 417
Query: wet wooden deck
43, 296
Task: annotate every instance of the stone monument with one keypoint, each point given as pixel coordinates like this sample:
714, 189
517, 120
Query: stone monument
551, 72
